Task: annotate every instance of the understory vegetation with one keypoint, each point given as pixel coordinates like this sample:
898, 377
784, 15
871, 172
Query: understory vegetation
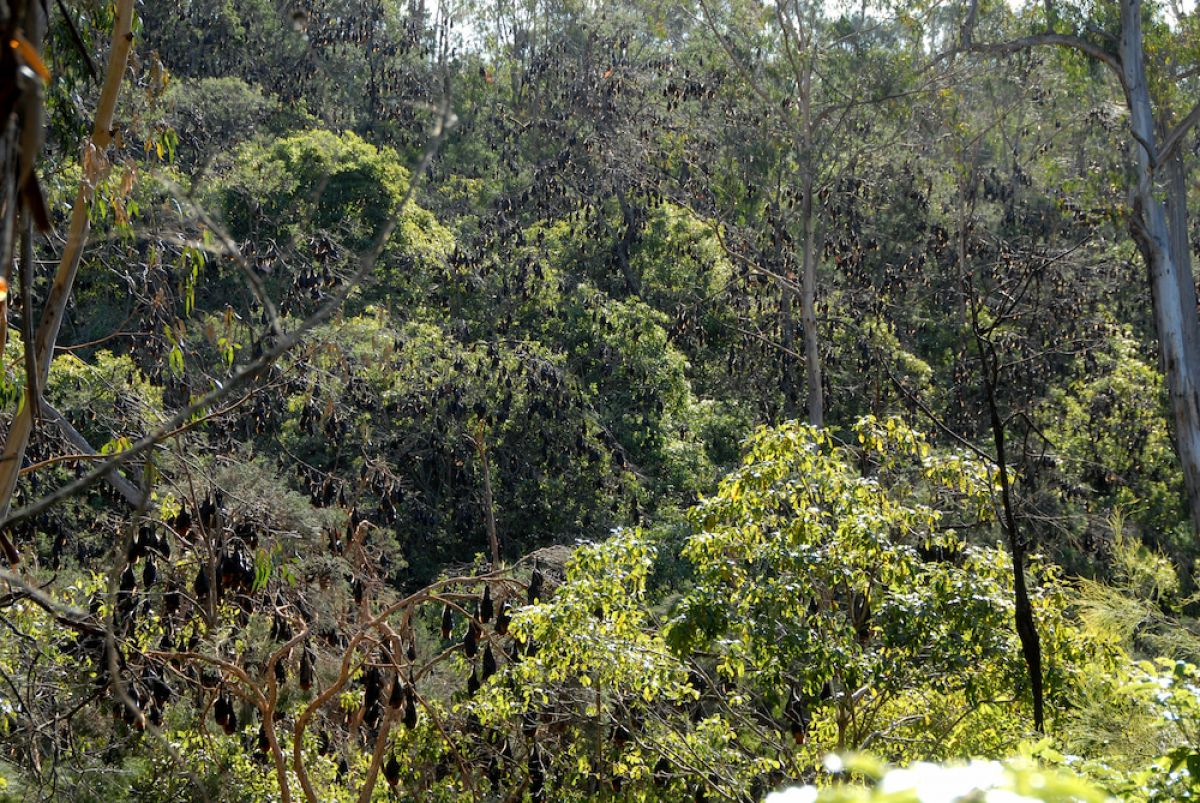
647, 400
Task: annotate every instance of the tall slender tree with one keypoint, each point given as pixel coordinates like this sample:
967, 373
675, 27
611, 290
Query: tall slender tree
1157, 216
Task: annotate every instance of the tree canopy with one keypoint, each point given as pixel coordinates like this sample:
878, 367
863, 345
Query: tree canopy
629, 400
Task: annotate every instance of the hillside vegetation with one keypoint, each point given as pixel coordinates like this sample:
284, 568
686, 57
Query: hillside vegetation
645, 400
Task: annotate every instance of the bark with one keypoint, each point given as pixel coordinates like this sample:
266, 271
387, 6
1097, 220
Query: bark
789, 382
27, 268
1160, 230
1163, 243
632, 220
489, 506
77, 234
21, 145
989, 367
128, 491
808, 276
808, 314
789, 376
1031, 645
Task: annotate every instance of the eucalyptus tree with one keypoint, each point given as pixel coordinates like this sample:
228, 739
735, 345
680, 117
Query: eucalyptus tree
41, 342
1146, 49
816, 80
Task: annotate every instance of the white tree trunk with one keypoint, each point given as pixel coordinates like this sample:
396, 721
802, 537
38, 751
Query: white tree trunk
1163, 242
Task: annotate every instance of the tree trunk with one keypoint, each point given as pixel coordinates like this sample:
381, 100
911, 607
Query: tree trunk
808, 277
489, 505
1023, 618
789, 362
60, 291
808, 313
631, 220
1163, 243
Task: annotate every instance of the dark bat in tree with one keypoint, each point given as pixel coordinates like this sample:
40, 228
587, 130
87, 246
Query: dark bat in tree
502, 619
536, 582
489, 662
485, 605
306, 669
201, 584
471, 639
397, 696
410, 708
472, 683
391, 771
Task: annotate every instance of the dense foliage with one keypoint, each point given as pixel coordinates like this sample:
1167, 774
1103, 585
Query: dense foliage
628, 400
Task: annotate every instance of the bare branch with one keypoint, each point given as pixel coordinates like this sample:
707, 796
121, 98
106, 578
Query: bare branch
968, 44
64, 614
1053, 40
1171, 143
128, 491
